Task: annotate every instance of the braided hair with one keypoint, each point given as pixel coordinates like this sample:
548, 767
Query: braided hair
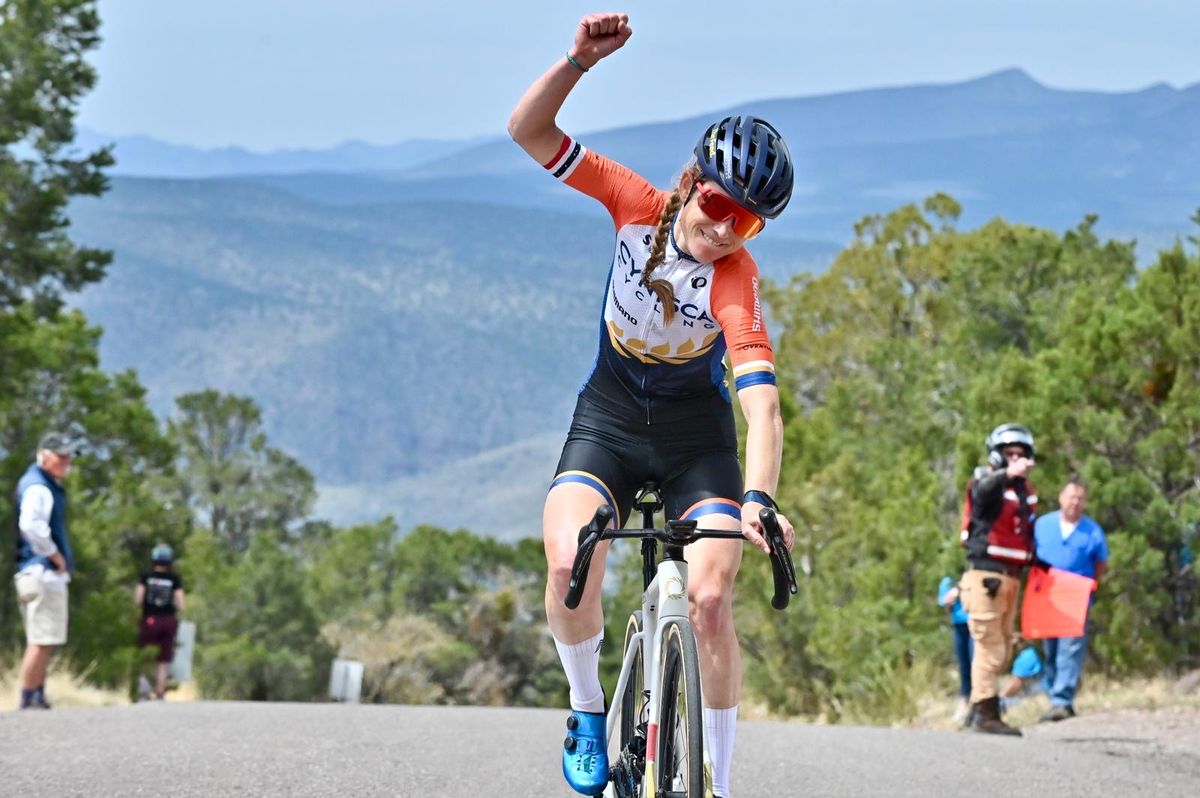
658, 248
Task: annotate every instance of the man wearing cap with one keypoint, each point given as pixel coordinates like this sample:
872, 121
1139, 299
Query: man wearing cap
44, 563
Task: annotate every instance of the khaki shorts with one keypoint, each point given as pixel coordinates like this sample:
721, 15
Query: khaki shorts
43, 609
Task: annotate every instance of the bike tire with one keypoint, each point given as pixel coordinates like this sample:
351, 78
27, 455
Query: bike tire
633, 700
680, 737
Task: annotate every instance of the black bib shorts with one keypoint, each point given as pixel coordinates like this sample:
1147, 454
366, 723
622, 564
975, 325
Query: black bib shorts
690, 451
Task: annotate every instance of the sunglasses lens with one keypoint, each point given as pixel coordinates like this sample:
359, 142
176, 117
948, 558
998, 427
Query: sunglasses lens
720, 208
750, 228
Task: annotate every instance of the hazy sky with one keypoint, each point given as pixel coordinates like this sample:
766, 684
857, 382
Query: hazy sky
268, 74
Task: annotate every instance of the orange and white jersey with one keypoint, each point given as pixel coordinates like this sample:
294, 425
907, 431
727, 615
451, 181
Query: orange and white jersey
718, 307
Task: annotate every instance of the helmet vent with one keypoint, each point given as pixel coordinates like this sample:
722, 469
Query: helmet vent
747, 158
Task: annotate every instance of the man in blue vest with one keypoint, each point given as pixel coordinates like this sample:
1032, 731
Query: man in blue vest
1069, 540
44, 563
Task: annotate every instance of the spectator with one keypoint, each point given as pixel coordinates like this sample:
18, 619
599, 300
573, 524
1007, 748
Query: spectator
1069, 540
160, 595
1027, 678
998, 535
948, 597
44, 563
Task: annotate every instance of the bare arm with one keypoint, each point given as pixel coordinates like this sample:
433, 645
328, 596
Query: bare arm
179, 604
764, 452
1101, 570
533, 122
139, 595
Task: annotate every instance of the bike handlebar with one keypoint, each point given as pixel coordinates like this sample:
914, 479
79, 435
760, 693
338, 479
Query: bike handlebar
596, 530
782, 569
589, 536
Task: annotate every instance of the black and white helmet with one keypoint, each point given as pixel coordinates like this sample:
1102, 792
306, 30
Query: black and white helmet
1008, 435
748, 159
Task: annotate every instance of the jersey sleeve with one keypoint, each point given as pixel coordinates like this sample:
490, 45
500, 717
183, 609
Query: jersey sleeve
629, 197
738, 309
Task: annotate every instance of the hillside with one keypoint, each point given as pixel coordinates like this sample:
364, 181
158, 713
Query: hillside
381, 340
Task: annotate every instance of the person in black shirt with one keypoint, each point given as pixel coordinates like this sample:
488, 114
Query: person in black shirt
160, 595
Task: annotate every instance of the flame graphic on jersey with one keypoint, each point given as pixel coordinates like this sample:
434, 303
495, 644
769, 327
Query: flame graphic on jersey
661, 354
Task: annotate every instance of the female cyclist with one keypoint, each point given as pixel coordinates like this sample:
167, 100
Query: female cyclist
681, 292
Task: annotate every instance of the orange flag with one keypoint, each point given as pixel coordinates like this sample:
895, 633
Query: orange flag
1055, 604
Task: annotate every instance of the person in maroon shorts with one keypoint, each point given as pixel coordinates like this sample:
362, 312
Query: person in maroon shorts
160, 595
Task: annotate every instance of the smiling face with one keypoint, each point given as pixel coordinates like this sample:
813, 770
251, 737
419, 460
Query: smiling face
697, 234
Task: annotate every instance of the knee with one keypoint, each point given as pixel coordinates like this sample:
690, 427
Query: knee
712, 610
558, 576
558, 580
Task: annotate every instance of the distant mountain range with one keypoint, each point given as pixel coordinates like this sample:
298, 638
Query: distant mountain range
417, 318
1003, 144
143, 156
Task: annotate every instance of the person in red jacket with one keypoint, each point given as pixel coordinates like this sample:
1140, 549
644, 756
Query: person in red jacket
998, 535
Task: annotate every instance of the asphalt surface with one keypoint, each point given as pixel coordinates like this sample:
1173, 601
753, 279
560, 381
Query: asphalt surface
308, 750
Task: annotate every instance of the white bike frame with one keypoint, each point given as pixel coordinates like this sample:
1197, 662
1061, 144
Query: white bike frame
664, 600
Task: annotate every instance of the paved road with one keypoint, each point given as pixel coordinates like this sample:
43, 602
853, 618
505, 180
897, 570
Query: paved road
316, 750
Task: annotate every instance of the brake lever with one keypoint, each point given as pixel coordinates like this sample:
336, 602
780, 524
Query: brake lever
782, 569
589, 536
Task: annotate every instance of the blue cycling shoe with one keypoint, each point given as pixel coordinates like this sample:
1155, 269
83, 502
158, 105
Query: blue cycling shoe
585, 753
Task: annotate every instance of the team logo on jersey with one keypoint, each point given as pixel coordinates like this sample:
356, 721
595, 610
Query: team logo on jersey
662, 354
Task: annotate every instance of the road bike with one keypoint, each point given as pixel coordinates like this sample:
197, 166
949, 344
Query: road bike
657, 712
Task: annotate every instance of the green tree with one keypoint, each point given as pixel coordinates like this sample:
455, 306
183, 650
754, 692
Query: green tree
258, 636
53, 380
894, 365
234, 483
43, 75
437, 616
1118, 402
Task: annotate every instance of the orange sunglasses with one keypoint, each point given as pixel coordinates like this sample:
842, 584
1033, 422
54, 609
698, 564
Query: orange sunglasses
719, 208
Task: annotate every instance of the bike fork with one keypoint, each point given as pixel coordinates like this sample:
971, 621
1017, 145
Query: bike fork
665, 599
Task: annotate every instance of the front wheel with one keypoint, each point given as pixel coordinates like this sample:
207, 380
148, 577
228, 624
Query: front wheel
679, 748
633, 700
631, 756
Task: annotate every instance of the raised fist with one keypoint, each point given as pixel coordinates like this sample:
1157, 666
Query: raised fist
600, 35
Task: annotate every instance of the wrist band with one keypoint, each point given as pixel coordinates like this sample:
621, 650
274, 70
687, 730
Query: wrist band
760, 496
576, 64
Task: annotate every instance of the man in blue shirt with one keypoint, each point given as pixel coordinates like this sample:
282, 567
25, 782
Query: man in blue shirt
1069, 540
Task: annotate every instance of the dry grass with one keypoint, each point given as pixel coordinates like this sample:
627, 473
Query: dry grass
65, 689
1095, 695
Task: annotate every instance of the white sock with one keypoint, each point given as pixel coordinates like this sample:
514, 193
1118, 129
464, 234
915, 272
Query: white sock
719, 728
581, 661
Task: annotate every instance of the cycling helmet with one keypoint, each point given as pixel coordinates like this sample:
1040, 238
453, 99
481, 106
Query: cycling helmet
1008, 435
748, 159
162, 555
